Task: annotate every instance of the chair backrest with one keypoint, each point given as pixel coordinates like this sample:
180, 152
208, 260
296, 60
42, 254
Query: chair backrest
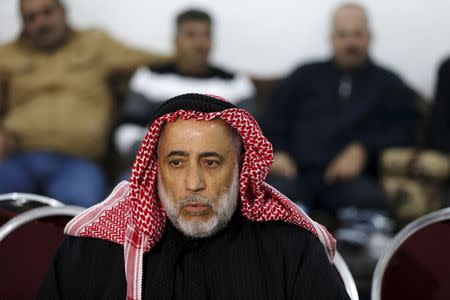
12, 204
346, 276
27, 243
23, 198
416, 264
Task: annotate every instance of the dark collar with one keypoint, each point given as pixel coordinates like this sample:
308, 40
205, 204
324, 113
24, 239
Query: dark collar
362, 69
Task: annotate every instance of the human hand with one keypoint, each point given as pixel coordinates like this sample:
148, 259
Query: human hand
283, 165
8, 144
347, 164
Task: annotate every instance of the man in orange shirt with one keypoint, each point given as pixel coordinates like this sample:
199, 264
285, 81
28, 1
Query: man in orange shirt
57, 107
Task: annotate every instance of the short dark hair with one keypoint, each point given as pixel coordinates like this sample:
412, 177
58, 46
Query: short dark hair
193, 15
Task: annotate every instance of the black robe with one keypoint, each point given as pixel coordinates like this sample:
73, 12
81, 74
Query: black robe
246, 260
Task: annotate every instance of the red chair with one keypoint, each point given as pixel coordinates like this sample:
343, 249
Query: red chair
27, 243
416, 265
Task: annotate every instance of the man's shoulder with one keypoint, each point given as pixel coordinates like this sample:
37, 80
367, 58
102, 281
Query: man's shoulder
92, 37
444, 66
9, 46
87, 249
80, 244
386, 74
315, 65
92, 33
170, 68
10, 50
288, 241
310, 68
286, 235
162, 68
282, 227
221, 72
13, 56
88, 42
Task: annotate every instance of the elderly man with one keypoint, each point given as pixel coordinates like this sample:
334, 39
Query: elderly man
330, 120
196, 221
191, 71
57, 111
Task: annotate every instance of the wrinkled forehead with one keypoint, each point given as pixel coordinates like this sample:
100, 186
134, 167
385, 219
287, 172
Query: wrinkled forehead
185, 132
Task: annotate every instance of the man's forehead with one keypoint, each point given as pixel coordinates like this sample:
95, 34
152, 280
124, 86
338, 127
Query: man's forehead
350, 15
206, 128
37, 4
194, 26
190, 136
198, 23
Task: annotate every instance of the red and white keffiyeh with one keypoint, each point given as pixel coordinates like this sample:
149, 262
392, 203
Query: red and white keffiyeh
133, 216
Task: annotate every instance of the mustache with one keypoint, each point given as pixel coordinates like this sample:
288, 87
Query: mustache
194, 198
352, 50
44, 30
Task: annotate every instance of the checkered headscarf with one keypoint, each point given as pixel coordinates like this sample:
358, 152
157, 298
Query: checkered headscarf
133, 215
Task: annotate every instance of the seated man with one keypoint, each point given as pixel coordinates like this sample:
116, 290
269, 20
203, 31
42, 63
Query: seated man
330, 120
57, 111
439, 130
416, 180
191, 72
196, 221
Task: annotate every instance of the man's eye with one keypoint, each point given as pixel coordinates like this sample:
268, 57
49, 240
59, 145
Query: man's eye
48, 11
211, 163
30, 18
175, 163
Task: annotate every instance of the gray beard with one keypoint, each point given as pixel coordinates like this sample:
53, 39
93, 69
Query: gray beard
223, 209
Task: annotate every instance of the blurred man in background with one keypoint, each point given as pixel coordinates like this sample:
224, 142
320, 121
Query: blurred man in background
57, 110
192, 71
439, 133
439, 130
330, 120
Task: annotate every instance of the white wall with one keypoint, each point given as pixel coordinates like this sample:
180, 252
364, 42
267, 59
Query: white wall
269, 38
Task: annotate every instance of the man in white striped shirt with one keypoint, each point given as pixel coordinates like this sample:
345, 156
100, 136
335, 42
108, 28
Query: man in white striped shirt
190, 72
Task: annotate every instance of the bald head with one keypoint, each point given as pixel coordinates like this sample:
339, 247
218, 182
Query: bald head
350, 35
350, 12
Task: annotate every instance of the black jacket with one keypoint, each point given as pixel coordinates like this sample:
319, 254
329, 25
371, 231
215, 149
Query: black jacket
319, 109
247, 260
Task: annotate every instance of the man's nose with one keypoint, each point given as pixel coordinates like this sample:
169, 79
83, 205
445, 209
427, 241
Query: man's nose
194, 180
40, 21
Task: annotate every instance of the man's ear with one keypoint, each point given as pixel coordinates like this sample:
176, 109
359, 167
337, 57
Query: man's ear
176, 37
